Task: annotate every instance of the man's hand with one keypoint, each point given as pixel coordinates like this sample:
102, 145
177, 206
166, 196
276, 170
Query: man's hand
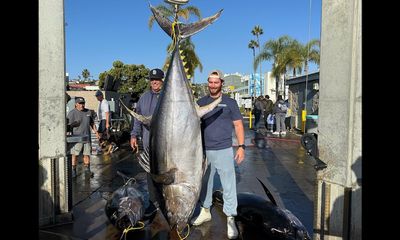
134, 144
239, 157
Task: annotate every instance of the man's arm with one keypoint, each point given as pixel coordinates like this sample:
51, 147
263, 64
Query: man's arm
93, 127
239, 130
107, 120
137, 126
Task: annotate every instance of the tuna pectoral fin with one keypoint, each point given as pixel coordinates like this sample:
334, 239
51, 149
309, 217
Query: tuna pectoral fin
144, 119
205, 165
144, 160
165, 178
201, 111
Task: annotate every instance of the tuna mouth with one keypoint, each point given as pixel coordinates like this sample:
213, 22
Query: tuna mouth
130, 211
179, 209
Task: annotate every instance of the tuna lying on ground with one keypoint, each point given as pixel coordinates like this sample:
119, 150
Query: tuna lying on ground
264, 217
127, 204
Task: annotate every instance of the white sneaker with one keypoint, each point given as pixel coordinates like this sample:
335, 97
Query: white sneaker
231, 226
283, 133
204, 216
275, 133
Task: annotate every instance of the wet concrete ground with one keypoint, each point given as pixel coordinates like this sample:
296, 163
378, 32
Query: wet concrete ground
282, 165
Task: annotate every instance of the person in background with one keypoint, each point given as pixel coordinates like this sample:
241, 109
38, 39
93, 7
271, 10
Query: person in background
258, 111
280, 109
81, 120
103, 114
288, 122
268, 106
217, 127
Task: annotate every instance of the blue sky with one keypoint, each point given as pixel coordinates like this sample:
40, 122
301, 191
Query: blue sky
98, 32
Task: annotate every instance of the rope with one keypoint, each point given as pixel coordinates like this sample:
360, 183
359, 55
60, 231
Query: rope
130, 228
187, 234
174, 37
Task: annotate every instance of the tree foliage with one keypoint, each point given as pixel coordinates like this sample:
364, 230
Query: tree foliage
132, 77
287, 54
85, 74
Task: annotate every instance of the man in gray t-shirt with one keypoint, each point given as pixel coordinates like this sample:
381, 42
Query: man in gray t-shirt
81, 119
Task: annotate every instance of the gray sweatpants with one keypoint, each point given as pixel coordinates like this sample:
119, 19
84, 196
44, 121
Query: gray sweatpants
222, 161
280, 122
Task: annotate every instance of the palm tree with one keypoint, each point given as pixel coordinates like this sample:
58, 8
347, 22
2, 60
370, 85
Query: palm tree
186, 45
257, 31
85, 74
275, 50
312, 53
253, 44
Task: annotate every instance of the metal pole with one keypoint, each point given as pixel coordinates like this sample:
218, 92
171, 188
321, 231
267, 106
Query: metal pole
304, 112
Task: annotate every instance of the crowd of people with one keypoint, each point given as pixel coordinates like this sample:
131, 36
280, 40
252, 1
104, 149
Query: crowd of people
271, 115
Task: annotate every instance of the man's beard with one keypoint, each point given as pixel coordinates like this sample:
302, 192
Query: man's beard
214, 91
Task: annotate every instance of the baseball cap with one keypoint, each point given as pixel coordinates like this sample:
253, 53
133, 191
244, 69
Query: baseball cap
156, 74
79, 100
216, 73
98, 93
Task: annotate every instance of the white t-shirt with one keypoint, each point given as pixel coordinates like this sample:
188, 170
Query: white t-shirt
102, 109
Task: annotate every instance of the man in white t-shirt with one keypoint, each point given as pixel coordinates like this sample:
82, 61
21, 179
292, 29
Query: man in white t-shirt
103, 113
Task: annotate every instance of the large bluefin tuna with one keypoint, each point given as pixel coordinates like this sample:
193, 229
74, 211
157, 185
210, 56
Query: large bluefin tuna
175, 157
263, 219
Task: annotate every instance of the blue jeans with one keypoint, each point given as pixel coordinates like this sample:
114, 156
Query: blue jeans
222, 161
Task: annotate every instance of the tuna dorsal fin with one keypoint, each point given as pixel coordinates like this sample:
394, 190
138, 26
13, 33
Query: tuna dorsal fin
182, 30
144, 119
268, 192
201, 111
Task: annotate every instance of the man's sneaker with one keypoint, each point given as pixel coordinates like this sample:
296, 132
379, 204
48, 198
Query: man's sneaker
275, 133
204, 216
74, 172
88, 172
231, 226
283, 133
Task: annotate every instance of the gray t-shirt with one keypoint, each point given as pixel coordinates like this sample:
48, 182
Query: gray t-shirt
85, 119
217, 125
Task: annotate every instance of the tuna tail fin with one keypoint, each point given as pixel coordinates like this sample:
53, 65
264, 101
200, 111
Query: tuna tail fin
193, 28
144, 119
268, 192
201, 111
182, 30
